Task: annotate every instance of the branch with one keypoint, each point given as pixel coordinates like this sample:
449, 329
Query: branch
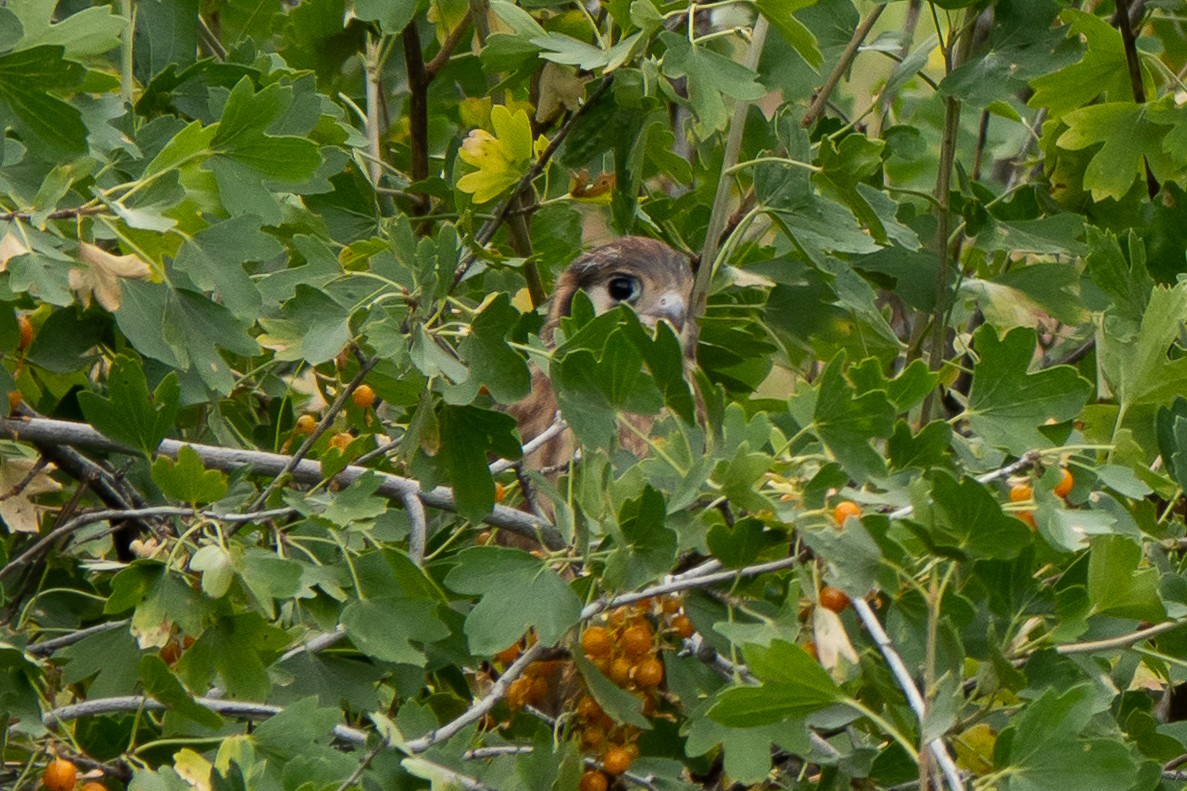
447, 48
1125, 25
326, 421
487, 232
903, 676
418, 110
228, 708
62, 432
49, 646
847, 57
1123, 641
720, 211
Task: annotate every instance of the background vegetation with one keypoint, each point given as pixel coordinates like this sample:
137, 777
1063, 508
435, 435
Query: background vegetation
270, 270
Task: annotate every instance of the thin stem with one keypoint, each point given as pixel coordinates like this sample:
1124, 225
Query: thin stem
846, 60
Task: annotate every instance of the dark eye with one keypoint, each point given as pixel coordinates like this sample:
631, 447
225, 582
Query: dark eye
623, 288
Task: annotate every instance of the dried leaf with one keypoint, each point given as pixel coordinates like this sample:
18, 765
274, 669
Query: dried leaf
19, 512
102, 274
10, 247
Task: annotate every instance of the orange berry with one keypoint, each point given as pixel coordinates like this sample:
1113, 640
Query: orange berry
637, 641
672, 604
341, 440
170, 652
500, 492
306, 424
14, 400
682, 627
593, 780
1028, 517
363, 396
616, 760
619, 616
596, 641
588, 709
1064, 487
1021, 493
60, 775
649, 673
620, 671
26, 328
508, 654
484, 538
844, 510
592, 736
833, 599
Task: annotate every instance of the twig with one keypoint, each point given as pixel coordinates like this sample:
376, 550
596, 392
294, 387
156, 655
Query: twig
448, 46
1129, 42
418, 110
903, 676
315, 644
479, 708
326, 421
720, 212
1123, 641
419, 530
47, 647
372, 68
227, 708
40, 464
92, 517
62, 432
487, 232
847, 56
554, 429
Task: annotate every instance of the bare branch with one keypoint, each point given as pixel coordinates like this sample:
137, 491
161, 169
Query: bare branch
914, 699
62, 432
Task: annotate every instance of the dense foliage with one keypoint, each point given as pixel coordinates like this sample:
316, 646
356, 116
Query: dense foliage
271, 273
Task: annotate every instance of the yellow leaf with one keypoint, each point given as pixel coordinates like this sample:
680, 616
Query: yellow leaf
102, 274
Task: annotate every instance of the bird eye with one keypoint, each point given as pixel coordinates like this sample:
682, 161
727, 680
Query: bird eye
623, 288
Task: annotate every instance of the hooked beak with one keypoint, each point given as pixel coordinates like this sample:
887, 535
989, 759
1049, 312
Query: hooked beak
671, 308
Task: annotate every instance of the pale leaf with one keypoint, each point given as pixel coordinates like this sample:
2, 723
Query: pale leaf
102, 275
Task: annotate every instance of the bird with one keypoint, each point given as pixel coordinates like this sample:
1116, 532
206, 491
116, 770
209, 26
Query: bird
646, 275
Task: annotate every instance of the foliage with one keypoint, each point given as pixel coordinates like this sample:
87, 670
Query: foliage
948, 270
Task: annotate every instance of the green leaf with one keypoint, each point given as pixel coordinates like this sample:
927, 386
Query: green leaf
108, 659
468, 433
91, 31
128, 414
517, 591
234, 648
1117, 585
53, 128
385, 628
1138, 367
969, 519
214, 258
847, 422
491, 361
312, 326
780, 13
1042, 749
217, 568
1130, 136
647, 546
1007, 404
621, 705
184, 330
794, 686
392, 15
1102, 70
710, 78
162, 686
187, 479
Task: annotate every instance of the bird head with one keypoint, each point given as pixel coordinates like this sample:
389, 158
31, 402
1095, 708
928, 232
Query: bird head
648, 276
